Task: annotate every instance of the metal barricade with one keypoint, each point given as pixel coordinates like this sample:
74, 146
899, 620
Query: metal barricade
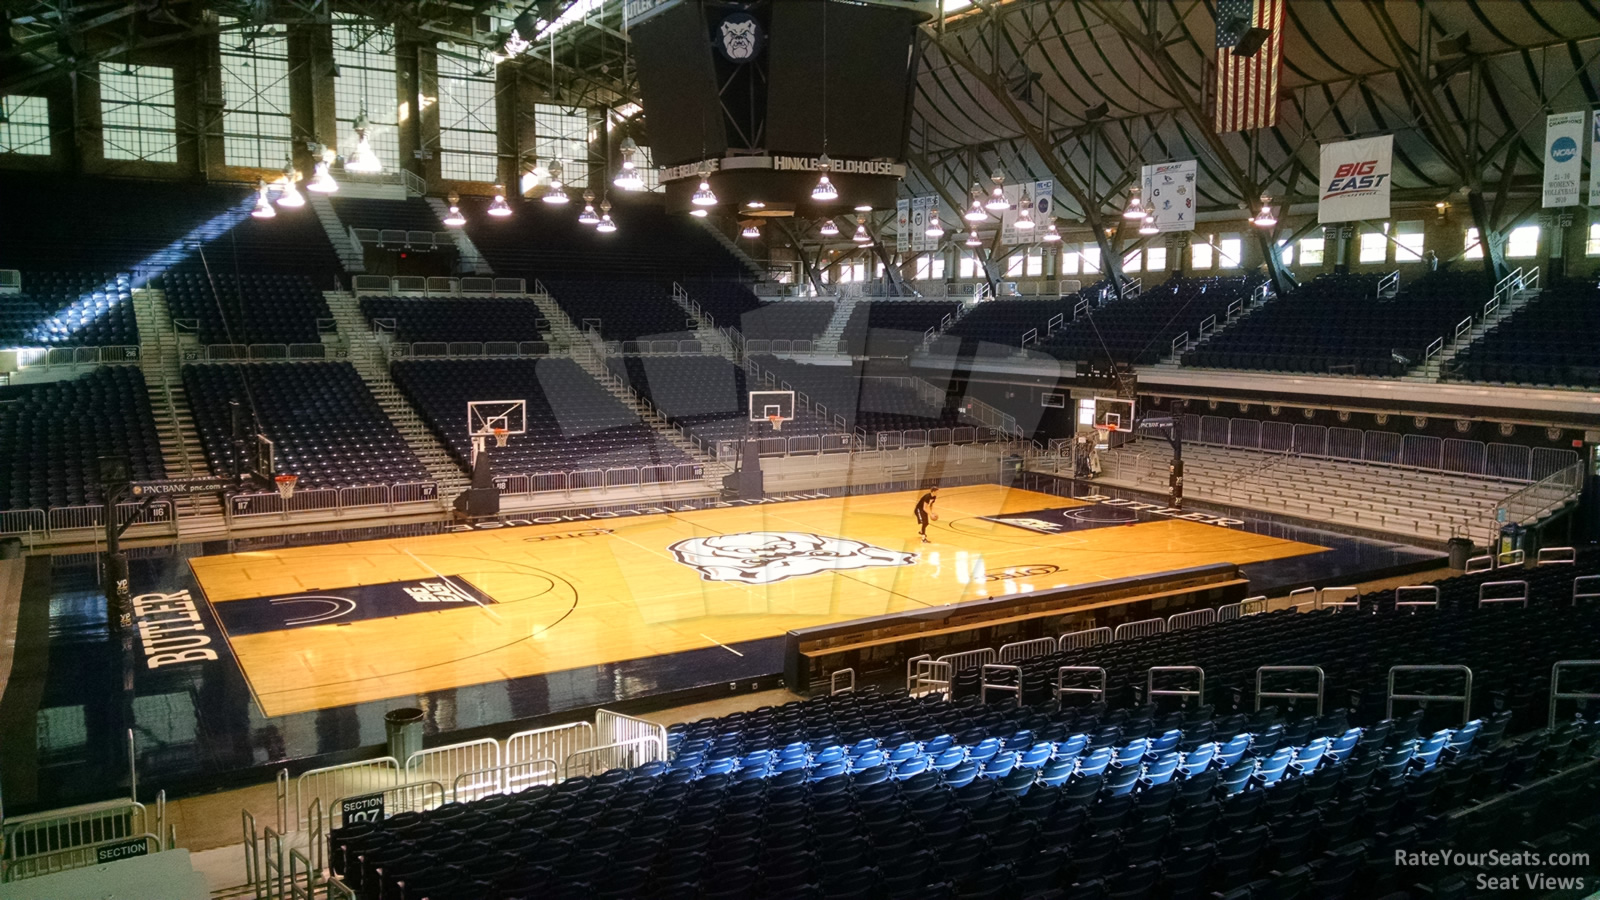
22, 521
1199, 691
1290, 695
348, 780
1139, 629
849, 684
1194, 618
557, 742
1519, 594
62, 830
1556, 694
1464, 698
1347, 597
1020, 650
1412, 590
1061, 685
970, 659
1303, 594
1585, 587
78, 857
987, 685
442, 764
614, 727
1477, 564
932, 675
504, 779
1249, 606
1554, 556
621, 755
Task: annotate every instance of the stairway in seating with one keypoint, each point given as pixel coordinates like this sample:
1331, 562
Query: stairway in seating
843, 308
351, 256
1435, 368
586, 355
1174, 360
472, 261
705, 328
756, 269
367, 354
160, 361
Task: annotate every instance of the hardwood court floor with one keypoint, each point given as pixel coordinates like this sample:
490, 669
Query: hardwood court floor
585, 593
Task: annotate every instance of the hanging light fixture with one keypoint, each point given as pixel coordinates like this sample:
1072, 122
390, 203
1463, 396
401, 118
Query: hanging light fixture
863, 207
1148, 226
755, 204
824, 192
1024, 220
321, 179
557, 195
751, 231
498, 206
861, 236
588, 217
628, 179
605, 225
290, 197
997, 197
1265, 218
698, 213
973, 240
1135, 208
703, 195
1051, 235
829, 229
935, 229
454, 218
975, 212
362, 158
263, 208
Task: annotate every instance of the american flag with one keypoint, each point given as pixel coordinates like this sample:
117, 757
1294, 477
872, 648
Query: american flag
1247, 87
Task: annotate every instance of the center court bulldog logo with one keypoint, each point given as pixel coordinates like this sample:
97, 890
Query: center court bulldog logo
764, 557
740, 36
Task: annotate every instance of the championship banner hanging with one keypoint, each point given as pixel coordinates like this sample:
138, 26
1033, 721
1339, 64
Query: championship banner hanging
1038, 196
1563, 158
902, 231
921, 212
1169, 192
1355, 180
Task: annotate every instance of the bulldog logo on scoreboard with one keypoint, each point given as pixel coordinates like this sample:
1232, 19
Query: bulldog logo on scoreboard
764, 557
739, 37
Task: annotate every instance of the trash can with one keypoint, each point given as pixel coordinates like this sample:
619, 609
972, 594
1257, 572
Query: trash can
403, 727
1460, 551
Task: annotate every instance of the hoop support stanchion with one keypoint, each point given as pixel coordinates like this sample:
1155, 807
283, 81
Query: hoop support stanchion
1464, 698
1290, 695
1061, 688
1556, 693
1199, 691
987, 686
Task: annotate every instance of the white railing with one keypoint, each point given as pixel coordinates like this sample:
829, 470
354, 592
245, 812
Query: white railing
255, 504
1544, 496
411, 285
444, 764
58, 357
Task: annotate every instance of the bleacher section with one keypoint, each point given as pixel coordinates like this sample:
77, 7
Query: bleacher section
1005, 321
573, 422
786, 320
410, 214
882, 796
1338, 324
873, 403
475, 319
64, 309
726, 301
1141, 329
55, 433
325, 424
707, 396
624, 310
1554, 341
255, 308
538, 241
144, 227
897, 319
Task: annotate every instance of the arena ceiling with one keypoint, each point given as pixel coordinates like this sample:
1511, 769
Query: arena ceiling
1014, 85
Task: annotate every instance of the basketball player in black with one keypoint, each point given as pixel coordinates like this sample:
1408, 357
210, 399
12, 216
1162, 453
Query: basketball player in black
924, 511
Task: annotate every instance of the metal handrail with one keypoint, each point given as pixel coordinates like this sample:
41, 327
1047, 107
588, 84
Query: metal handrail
1409, 589
986, 686
1290, 695
1555, 685
833, 682
1464, 698
1061, 687
1581, 588
1199, 691
1483, 590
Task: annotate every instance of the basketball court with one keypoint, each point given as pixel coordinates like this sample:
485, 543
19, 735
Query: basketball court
338, 624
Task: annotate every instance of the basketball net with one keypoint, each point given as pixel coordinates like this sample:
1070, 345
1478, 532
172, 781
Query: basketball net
777, 422
286, 485
501, 437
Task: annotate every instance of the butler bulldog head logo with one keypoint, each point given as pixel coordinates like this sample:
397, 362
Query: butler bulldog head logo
741, 37
764, 557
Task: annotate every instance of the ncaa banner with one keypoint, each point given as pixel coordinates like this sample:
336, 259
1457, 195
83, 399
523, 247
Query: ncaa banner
1355, 180
1037, 196
902, 231
1563, 160
1169, 193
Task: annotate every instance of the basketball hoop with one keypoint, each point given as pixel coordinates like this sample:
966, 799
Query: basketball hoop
1103, 433
777, 422
501, 436
286, 485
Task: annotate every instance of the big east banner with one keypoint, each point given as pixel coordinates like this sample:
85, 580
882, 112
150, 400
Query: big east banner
1355, 180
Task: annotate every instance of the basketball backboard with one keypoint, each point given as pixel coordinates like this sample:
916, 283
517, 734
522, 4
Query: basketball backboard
764, 405
495, 420
1113, 413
